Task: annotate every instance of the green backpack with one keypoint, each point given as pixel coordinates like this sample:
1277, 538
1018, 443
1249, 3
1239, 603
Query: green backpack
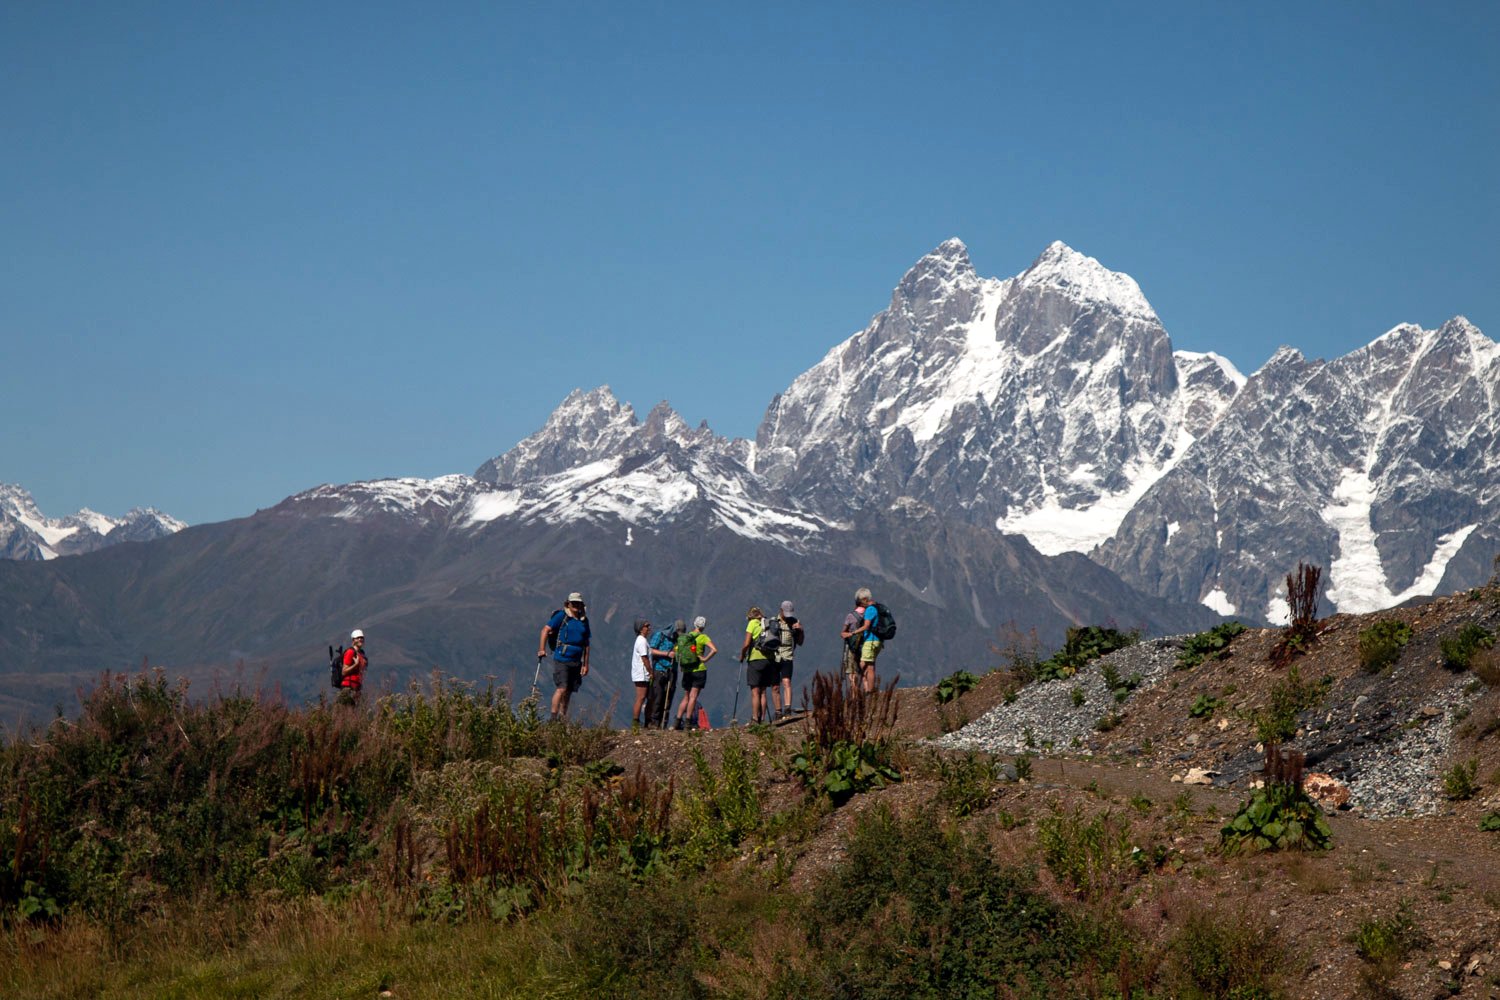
687, 651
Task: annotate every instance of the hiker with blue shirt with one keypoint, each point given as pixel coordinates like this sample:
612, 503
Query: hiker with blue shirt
663, 648
568, 633
859, 638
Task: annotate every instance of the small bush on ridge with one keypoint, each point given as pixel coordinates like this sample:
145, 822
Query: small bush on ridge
1210, 645
1380, 645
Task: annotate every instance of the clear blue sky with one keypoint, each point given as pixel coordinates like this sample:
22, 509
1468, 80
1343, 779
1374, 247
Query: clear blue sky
249, 248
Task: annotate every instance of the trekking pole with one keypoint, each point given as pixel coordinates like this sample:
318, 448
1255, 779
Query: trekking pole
666, 710
536, 678
735, 719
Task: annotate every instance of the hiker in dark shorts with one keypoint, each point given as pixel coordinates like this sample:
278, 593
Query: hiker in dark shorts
790, 636
760, 669
569, 630
694, 650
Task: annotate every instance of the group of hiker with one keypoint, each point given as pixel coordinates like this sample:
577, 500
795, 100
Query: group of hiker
662, 659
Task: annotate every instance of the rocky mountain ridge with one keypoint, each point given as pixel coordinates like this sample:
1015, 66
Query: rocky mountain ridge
27, 533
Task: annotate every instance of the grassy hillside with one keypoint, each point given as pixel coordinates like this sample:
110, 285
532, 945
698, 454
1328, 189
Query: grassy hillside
442, 843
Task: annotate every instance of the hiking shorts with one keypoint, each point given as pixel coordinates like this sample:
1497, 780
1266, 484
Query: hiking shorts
760, 673
869, 651
783, 670
851, 662
567, 675
694, 679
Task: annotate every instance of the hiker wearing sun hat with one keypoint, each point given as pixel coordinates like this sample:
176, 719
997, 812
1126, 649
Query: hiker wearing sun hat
567, 634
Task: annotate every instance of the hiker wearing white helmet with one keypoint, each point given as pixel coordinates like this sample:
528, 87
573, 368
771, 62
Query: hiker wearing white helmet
355, 662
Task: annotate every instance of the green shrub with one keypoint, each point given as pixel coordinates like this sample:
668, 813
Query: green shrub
1118, 687
1458, 650
1380, 645
724, 810
1460, 781
1203, 707
1094, 855
1210, 645
1289, 698
1219, 954
958, 683
967, 783
1388, 939
844, 769
1278, 817
917, 910
1078, 697
1490, 822
1081, 646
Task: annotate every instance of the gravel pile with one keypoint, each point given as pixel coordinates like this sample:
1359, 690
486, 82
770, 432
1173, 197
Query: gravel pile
1391, 748
1044, 716
1404, 776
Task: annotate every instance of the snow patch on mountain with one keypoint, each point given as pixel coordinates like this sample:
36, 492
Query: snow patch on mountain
1358, 579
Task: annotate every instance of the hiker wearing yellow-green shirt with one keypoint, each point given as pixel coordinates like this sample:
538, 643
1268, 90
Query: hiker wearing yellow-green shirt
761, 670
693, 651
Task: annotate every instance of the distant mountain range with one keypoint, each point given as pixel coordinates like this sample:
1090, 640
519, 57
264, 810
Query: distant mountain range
26, 533
1025, 452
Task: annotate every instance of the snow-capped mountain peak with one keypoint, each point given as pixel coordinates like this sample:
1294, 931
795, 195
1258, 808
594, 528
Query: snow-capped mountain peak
26, 533
1077, 276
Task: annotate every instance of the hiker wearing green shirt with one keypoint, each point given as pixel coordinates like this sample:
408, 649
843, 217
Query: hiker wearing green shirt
760, 670
694, 650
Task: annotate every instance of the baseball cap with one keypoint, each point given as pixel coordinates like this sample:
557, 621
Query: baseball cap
575, 598
786, 607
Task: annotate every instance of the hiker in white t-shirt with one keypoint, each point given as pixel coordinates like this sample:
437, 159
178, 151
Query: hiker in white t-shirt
640, 669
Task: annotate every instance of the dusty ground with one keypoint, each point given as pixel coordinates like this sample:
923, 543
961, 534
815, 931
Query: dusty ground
1442, 867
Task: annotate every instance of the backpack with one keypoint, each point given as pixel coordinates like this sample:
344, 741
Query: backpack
580, 631
687, 651
769, 640
336, 666
885, 623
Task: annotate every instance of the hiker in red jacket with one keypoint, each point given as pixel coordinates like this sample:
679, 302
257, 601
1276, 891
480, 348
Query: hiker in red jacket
355, 663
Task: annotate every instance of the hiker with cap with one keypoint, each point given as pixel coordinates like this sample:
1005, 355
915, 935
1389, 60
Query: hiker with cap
760, 669
567, 634
663, 672
640, 669
355, 664
788, 637
694, 650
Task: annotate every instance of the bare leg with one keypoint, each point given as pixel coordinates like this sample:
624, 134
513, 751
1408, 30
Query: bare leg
640, 699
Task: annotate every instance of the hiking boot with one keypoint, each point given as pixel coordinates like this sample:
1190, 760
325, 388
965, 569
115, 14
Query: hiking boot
678, 727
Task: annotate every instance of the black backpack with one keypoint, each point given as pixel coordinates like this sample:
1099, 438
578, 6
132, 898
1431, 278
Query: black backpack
336, 666
769, 640
885, 623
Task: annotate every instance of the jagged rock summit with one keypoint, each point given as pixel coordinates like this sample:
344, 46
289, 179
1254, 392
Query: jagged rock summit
28, 534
